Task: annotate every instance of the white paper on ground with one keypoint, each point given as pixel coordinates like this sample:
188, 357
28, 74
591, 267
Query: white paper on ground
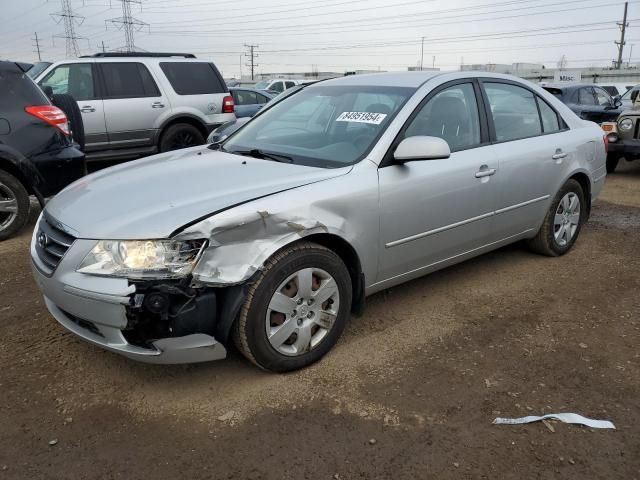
563, 417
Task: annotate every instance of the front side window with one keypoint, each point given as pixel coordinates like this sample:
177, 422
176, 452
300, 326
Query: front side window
127, 80
277, 87
451, 114
603, 98
514, 111
289, 84
585, 96
324, 126
75, 79
244, 97
193, 78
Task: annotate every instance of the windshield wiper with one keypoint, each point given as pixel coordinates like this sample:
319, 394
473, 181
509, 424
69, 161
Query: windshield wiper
257, 153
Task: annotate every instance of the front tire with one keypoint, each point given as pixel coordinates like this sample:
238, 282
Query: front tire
612, 162
14, 205
563, 221
296, 310
180, 135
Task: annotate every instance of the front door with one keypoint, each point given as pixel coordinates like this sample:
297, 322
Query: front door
79, 81
437, 210
133, 104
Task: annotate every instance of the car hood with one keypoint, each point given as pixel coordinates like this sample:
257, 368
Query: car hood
155, 196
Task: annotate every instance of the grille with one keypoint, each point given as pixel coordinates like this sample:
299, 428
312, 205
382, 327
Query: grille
51, 244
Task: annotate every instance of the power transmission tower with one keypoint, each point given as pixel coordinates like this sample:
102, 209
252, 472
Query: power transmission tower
623, 27
128, 24
36, 45
252, 58
69, 20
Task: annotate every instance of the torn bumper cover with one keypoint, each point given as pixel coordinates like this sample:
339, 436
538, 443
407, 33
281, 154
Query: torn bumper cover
107, 312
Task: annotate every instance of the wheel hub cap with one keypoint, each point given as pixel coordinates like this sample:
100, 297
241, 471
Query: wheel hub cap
567, 219
302, 311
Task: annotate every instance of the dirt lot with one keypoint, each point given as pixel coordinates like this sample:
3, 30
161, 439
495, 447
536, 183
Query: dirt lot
409, 392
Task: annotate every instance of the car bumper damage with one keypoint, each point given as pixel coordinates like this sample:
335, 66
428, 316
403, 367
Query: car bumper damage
154, 322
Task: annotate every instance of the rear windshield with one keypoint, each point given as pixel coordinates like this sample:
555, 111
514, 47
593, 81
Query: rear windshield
554, 91
193, 78
18, 87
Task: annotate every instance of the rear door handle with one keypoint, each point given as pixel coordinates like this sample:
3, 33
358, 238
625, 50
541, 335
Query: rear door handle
87, 109
157, 105
485, 172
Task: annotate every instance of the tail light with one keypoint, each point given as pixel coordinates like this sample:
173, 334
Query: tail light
227, 104
606, 143
52, 115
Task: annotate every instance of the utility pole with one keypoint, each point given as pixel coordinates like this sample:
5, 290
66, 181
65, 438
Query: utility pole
433, 64
36, 44
623, 27
630, 53
104, 49
422, 54
128, 24
69, 20
252, 56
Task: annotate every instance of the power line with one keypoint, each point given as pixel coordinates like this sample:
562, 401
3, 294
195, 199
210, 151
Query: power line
128, 23
69, 20
252, 56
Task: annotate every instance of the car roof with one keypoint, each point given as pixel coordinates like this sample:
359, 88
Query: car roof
390, 79
569, 86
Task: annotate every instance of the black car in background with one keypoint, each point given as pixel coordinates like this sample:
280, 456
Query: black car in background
37, 154
588, 101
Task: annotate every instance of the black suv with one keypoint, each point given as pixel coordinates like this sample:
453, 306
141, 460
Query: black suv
37, 154
588, 101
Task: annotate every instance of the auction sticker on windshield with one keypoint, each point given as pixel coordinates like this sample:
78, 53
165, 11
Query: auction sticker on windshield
362, 117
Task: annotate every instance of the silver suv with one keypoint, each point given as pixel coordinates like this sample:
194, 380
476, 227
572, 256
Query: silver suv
136, 104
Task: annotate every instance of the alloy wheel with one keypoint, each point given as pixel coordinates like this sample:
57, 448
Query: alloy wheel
567, 219
302, 311
8, 206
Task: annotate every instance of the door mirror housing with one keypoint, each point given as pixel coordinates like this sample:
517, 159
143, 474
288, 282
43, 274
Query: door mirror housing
617, 101
412, 149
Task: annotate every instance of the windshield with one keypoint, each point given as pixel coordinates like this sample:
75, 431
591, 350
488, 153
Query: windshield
322, 126
262, 85
627, 94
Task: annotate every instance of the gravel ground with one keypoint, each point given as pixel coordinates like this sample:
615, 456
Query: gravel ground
409, 392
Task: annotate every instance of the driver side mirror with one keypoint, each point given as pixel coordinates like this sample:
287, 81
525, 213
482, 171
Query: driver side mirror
617, 101
48, 91
412, 149
634, 96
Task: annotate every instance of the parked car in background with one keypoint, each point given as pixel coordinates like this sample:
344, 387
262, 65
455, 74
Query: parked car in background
248, 102
624, 136
627, 102
271, 239
588, 101
276, 85
136, 104
37, 155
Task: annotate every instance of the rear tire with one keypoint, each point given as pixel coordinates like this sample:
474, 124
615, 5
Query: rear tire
279, 299
180, 135
69, 106
14, 205
563, 222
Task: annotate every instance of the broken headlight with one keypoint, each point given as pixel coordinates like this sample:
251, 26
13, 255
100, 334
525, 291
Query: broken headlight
143, 259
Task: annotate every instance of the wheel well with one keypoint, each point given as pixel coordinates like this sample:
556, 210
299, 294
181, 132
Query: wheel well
585, 183
348, 255
9, 167
189, 120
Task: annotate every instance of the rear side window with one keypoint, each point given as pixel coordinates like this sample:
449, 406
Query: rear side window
549, 117
244, 97
18, 90
514, 111
75, 79
193, 78
127, 80
585, 97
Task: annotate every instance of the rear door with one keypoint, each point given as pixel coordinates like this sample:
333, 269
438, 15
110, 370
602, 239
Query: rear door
246, 103
530, 144
80, 81
608, 111
133, 103
589, 109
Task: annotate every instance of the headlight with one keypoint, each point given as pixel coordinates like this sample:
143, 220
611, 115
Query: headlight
137, 259
625, 124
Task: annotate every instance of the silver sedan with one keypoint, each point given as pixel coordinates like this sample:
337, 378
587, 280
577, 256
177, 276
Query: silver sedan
273, 237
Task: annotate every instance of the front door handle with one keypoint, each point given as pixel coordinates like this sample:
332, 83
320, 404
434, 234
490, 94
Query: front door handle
485, 172
157, 105
559, 155
87, 109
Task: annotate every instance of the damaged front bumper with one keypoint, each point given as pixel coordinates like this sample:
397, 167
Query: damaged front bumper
111, 313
